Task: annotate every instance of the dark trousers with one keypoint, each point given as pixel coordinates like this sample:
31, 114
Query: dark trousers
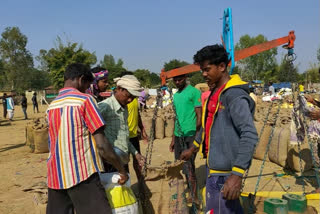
35, 106
85, 198
24, 109
215, 200
189, 169
137, 168
5, 112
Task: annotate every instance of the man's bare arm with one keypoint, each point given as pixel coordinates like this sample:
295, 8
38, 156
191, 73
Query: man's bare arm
199, 114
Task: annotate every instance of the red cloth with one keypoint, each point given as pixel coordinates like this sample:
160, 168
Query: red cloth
204, 96
212, 105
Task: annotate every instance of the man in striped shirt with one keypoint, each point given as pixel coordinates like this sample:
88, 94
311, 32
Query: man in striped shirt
76, 143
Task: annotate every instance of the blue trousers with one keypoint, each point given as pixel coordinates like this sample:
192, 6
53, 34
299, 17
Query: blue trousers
214, 198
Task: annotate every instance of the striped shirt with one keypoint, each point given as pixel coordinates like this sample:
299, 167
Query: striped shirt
72, 117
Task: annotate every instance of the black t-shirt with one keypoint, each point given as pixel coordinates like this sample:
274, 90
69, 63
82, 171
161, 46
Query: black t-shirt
4, 102
24, 102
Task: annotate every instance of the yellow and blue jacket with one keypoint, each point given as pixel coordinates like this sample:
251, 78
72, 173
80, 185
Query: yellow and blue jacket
232, 135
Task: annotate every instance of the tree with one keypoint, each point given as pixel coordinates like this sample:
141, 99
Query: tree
115, 69
196, 78
57, 59
312, 74
17, 61
318, 54
175, 63
287, 72
147, 78
154, 79
256, 66
143, 75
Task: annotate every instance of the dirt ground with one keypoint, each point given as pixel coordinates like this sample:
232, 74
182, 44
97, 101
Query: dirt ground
23, 174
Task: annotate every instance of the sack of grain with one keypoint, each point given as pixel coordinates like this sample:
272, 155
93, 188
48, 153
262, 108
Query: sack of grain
30, 137
293, 159
264, 139
159, 128
169, 127
279, 145
147, 124
41, 140
163, 190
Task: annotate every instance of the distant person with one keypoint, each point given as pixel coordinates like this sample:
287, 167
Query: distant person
100, 83
77, 143
10, 107
187, 103
142, 100
301, 88
24, 105
35, 102
4, 104
271, 89
205, 95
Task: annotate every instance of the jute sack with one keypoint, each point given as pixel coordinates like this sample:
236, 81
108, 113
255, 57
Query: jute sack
293, 159
147, 124
164, 190
264, 139
278, 151
169, 127
30, 137
41, 140
159, 128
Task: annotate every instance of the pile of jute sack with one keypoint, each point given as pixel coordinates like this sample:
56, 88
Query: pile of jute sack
37, 136
284, 149
164, 123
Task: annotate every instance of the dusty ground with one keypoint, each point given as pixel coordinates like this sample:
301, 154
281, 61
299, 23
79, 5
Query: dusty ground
23, 174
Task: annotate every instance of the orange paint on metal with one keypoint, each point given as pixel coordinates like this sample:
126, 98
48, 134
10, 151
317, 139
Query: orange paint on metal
238, 55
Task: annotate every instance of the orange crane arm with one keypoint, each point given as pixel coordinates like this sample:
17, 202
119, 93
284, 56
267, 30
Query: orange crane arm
238, 55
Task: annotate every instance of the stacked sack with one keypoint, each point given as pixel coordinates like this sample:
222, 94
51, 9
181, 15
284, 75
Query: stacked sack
37, 136
164, 123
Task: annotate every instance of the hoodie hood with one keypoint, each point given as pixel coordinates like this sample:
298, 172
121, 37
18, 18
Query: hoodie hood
235, 81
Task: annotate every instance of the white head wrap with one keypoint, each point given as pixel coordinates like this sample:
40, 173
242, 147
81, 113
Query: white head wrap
131, 83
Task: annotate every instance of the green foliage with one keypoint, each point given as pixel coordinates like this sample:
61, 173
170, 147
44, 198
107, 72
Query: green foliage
175, 63
312, 74
287, 72
115, 69
146, 78
57, 59
318, 55
17, 61
196, 78
256, 66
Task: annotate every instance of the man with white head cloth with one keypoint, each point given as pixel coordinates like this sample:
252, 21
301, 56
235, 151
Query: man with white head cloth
115, 113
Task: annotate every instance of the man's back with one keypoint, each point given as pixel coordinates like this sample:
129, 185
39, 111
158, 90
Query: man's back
72, 117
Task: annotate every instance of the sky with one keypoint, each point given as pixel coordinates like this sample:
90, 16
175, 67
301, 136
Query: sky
147, 33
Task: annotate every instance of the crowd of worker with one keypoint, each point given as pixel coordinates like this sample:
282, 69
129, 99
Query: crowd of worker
89, 135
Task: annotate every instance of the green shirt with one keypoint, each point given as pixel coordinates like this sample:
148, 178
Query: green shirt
116, 129
185, 102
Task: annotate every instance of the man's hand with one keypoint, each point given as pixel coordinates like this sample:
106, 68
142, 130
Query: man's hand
123, 178
315, 114
171, 147
186, 154
232, 187
309, 98
141, 160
